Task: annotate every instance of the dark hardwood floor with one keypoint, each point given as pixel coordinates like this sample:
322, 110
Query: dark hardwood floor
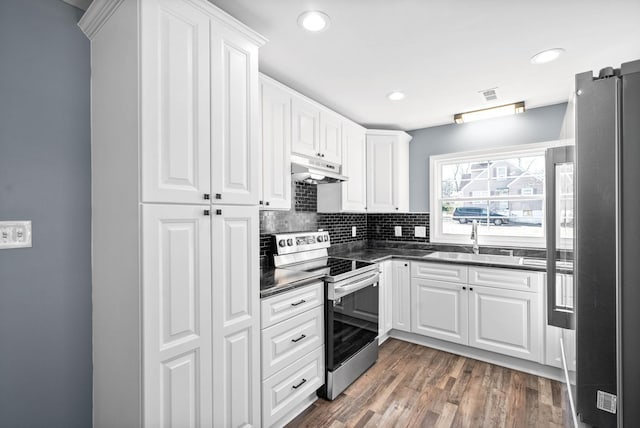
415, 386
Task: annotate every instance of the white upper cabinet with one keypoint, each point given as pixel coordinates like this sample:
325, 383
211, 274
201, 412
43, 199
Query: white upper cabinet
387, 171
306, 128
349, 196
175, 97
200, 124
276, 146
354, 151
235, 140
330, 148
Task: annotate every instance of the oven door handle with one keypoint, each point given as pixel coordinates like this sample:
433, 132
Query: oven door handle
339, 292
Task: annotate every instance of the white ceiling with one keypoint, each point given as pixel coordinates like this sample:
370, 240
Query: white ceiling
440, 52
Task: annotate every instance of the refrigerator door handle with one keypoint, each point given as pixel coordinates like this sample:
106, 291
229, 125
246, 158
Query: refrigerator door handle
557, 315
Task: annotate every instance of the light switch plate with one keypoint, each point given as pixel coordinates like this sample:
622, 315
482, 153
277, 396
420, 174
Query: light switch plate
353, 231
421, 232
15, 234
398, 230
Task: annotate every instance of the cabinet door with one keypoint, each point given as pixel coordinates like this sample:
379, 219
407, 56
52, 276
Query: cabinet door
235, 142
330, 137
506, 321
236, 317
380, 174
175, 99
306, 128
401, 295
176, 278
384, 302
440, 310
354, 166
276, 148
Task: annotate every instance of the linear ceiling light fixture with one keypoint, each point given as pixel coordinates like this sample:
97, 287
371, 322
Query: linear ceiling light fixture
489, 113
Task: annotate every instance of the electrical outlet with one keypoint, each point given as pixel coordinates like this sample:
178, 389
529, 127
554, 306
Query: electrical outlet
15, 234
353, 231
421, 232
398, 230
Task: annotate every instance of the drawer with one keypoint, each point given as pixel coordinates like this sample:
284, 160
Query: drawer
448, 272
291, 303
506, 278
285, 342
289, 387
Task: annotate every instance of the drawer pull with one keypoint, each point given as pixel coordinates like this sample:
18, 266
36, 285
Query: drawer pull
302, 336
300, 384
298, 303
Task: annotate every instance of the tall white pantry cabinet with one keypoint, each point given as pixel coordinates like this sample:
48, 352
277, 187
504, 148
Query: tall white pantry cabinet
175, 188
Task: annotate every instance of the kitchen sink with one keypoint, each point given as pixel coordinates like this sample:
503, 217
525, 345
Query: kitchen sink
477, 258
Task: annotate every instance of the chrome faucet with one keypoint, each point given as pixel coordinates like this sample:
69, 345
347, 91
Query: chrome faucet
474, 237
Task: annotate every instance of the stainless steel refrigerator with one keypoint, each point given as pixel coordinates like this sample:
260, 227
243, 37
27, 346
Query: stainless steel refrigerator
607, 248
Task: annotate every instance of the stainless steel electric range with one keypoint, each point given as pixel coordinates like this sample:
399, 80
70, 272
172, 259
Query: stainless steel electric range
351, 305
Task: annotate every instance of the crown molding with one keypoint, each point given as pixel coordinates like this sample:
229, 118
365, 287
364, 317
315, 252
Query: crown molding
96, 15
80, 4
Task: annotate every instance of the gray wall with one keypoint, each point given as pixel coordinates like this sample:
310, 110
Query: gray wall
532, 126
45, 291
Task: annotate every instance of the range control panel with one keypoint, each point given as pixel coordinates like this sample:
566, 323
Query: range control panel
288, 243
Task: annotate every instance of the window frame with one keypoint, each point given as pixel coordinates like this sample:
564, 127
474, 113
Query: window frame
435, 191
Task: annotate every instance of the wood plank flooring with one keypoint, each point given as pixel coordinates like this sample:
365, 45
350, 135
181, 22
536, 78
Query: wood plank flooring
416, 386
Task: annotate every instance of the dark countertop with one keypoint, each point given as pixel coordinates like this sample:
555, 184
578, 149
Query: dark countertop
275, 280
378, 255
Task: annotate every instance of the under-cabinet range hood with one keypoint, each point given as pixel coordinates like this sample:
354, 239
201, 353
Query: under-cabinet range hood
315, 171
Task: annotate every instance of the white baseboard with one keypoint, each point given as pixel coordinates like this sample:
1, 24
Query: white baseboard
480, 354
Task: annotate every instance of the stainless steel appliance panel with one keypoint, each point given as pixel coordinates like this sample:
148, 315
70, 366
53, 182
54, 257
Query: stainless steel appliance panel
630, 244
597, 110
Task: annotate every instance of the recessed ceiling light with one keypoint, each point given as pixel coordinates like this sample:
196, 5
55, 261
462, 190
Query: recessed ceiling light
396, 96
314, 21
546, 56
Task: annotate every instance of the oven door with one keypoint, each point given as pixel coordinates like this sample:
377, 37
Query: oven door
351, 317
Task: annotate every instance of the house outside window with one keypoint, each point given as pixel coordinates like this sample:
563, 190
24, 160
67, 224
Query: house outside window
503, 189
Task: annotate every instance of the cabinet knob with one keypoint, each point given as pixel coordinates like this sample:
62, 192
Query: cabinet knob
207, 196
218, 195
464, 288
406, 264
322, 155
470, 288
267, 203
259, 202
319, 154
206, 212
218, 212
396, 208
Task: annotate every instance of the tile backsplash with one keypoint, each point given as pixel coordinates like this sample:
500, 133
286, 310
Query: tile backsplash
382, 226
303, 216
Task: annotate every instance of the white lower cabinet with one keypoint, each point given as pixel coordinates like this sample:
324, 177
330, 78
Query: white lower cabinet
400, 279
385, 311
293, 365
505, 321
284, 392
176, 273
505, 318
236, 316
441, 310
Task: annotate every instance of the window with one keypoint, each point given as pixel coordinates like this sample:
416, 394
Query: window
503, 189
